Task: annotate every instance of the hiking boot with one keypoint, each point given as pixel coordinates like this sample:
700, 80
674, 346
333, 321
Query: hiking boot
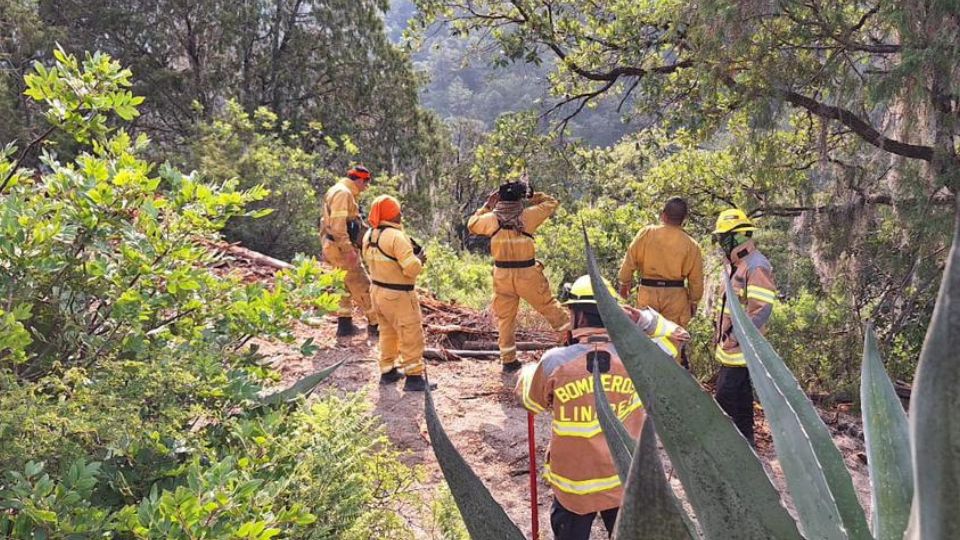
512, 367
373, 332
390, 377
345, 327
416, 383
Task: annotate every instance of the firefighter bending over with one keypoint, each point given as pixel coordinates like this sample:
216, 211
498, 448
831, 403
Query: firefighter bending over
751, 277
395, 261
342, 230
510, 224
579, 465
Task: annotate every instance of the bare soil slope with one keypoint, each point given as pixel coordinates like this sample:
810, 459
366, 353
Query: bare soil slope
477, 406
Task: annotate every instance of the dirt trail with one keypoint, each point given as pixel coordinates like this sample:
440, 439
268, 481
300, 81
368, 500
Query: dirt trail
476, 404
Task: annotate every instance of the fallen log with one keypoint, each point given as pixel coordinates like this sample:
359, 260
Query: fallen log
446, 355
454, 328
521, 345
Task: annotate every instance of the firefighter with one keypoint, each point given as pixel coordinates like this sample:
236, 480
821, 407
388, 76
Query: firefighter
670, 267
751, 277
342, 230
395, 261
510, 224
579, 465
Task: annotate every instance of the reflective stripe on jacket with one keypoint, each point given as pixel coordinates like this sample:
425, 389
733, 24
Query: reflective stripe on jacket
579, 465
339, 207
752, 282
511, 245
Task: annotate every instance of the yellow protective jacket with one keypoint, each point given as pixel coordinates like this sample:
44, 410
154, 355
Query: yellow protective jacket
665, 252
388, 253
579, 465
507, 244
752, 282
339, 207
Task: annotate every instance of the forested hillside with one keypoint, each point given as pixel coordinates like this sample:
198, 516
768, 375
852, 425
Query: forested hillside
138, 139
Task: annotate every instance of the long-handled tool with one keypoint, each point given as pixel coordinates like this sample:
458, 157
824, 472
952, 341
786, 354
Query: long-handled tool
534, 507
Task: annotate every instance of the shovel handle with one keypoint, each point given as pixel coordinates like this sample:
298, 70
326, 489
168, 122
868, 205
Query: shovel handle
534, 507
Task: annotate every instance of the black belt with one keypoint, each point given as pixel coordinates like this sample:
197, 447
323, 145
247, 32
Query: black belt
515, 264
662, 283
394, 286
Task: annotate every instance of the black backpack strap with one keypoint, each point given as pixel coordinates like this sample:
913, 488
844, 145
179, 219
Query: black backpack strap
376, 243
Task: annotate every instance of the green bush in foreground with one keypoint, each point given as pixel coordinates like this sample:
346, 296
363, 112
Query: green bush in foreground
130, 404
915, 474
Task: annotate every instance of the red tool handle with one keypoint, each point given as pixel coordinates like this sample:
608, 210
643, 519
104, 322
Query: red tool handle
534, 507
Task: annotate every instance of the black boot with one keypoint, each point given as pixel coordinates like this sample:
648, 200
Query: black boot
390, 377
345, 327
416, 383
511, 367
373, 332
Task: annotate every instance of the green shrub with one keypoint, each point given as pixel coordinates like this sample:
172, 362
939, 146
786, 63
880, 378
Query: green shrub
128, 397
462, 277
447, 523
256, 151
819, 342
610, 224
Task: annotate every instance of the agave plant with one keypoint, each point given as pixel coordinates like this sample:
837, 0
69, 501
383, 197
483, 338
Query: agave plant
914, 468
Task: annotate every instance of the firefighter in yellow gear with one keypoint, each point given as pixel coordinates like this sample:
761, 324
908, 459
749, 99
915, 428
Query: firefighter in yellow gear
510, 224
669, 263
751, 277
579, 465
342, 230
395, 261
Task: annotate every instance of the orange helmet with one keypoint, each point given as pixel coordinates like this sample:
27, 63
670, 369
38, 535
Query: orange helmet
359, 172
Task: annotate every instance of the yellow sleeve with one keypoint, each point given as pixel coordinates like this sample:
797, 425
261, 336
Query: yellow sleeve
483, 222
632, 259
544, 206
402, 249
694, 274
532, 389
338, 209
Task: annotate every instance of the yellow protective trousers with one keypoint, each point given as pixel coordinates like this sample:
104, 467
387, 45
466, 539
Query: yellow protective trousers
672, 302
355, 280
509, 286
401, 330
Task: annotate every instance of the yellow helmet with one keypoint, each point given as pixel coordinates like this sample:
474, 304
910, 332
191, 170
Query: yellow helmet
581, 292
733, 220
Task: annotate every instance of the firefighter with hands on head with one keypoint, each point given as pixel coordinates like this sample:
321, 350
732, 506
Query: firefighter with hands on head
342, 229
395, 261
670, 266
579, 466
751, 277
510, 217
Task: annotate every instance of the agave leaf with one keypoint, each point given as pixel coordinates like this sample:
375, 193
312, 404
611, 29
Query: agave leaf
618, 439
650, 510
721, 475
303, 387
888, 446
826, 502
484, 518
934, 418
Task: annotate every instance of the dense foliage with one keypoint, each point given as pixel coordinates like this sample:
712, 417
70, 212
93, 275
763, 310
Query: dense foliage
129, 402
